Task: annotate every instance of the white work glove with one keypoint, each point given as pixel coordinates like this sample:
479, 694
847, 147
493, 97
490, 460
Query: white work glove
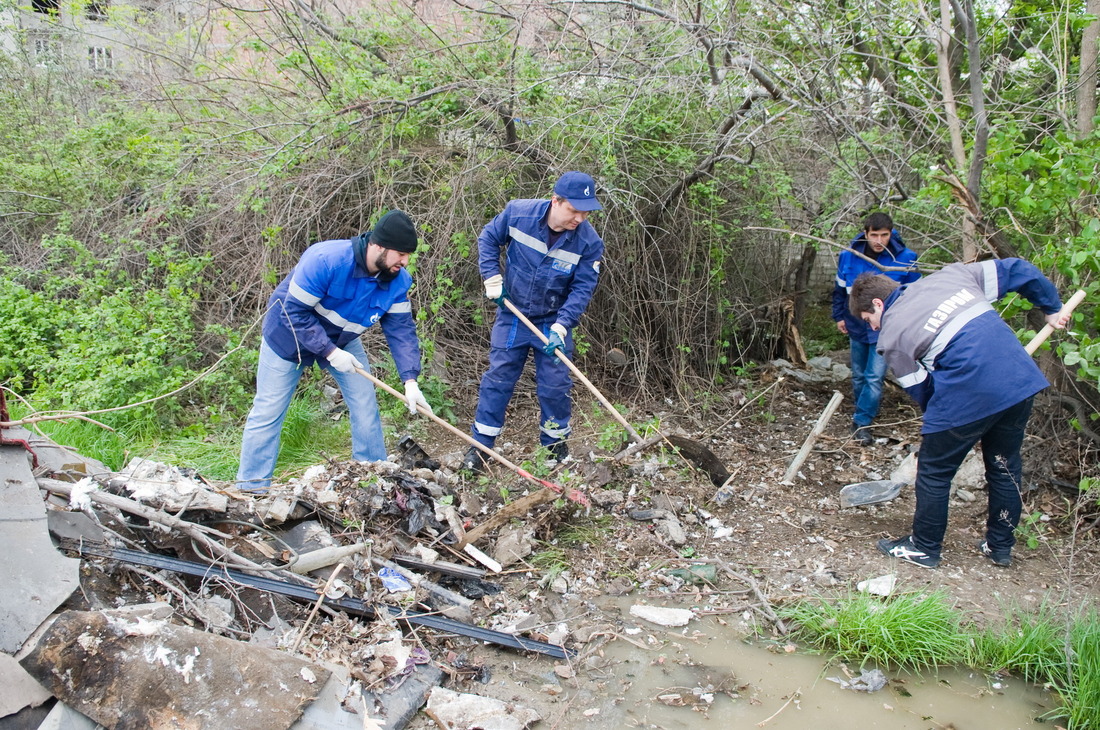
414, 397
343, 361
494, 287
560, 329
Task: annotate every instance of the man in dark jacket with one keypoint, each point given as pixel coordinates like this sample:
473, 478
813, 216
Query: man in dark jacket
316, 315
956, 357
551, 264
878, 246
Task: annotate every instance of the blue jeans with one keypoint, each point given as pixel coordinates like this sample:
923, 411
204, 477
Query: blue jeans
942, 453
276, 381
868, 372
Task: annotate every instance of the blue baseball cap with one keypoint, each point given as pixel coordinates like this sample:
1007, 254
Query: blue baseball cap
579, 189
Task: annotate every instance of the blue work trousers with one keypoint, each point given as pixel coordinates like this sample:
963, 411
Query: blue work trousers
276, 381
941, 454
511, 342
868, 372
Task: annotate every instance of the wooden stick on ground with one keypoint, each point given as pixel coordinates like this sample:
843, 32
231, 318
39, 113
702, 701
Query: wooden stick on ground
518, 508
818, 429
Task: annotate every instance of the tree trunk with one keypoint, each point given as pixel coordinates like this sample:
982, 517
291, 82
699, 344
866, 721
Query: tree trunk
1086, 80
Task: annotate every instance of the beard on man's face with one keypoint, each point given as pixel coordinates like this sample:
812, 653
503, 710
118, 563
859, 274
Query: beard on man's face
383, 275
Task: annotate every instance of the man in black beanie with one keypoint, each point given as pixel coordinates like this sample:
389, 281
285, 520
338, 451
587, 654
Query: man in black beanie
338, 289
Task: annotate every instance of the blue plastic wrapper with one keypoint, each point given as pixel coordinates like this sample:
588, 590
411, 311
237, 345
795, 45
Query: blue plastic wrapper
393, 581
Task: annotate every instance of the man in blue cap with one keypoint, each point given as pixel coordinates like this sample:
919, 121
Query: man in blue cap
551, 265
338, 289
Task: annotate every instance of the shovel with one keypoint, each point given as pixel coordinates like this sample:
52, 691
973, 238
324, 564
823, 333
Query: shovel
700, 456
571, 494
884, 490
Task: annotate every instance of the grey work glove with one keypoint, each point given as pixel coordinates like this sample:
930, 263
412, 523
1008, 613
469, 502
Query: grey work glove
415, 397
343, 361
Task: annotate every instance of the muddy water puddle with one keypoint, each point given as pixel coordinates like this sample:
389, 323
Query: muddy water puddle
710, 676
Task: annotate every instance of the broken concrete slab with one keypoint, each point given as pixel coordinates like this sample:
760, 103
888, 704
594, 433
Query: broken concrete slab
514, 544
328, 710
17, 688
73, 526
63, 717
36, 577
460, 710
153, 674
661, 615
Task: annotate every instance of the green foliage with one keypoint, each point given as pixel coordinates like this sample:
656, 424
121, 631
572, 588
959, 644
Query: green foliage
1032, 188
912, 630
1032, 529
922, 630
1043, 647
97, 336
819, 332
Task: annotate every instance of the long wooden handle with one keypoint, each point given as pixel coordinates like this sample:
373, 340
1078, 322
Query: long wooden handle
1044, 333
576, 372
572, 494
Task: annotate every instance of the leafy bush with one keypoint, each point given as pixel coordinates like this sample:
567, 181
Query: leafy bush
93, 336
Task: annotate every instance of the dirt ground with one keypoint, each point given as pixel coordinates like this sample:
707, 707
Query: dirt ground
652, 516
770, 542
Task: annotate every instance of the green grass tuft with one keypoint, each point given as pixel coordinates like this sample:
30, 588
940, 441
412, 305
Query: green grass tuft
917, 631
910, 630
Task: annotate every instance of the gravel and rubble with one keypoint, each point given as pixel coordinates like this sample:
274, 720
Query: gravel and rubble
327, 570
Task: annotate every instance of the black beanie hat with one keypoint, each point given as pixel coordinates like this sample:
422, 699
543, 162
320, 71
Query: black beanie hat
394, 231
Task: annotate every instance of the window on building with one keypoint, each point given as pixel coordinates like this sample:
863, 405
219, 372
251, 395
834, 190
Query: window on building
97, 9
99, 58
48, 7
46, 50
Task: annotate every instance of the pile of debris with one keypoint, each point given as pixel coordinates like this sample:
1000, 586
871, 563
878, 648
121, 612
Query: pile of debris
149, 598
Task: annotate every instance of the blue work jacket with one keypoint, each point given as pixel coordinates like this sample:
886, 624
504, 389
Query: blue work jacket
949, 347
849, 267
547, 283
328, 300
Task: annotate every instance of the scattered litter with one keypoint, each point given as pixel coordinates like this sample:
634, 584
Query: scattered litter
168, 487
661, 615
870, 681
880, 586
393, 581
81, 497
698, 574
482, 558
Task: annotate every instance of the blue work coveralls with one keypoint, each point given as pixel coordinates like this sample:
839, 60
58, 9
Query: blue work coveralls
549, 283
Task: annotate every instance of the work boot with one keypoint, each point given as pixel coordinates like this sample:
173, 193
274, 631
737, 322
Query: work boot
559, 451
998, 558
473, 461
862, 435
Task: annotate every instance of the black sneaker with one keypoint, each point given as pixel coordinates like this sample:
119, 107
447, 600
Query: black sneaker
904, 549
1003, 559
473, 461
862, 435
559, 451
